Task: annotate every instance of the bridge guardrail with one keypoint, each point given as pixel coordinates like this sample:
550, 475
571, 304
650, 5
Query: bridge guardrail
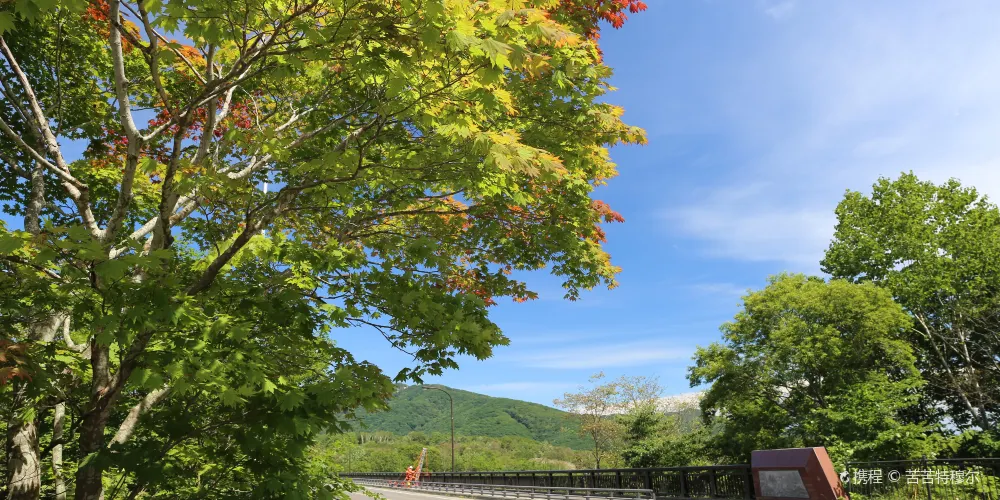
509, 491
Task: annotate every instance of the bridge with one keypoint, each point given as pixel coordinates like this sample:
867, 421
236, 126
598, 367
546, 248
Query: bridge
924, 479
717, 481
393, 489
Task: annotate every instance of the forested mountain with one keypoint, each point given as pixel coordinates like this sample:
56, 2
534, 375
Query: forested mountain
416, 409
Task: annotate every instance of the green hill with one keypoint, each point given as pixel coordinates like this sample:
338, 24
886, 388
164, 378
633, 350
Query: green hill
416, 409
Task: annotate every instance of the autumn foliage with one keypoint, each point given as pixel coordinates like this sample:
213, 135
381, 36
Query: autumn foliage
12, 361
589, 13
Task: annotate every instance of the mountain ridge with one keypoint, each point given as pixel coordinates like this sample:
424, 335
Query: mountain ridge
414, 409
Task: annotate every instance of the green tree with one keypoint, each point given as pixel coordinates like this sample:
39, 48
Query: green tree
308, 167
936, 248
653, 438
813, 363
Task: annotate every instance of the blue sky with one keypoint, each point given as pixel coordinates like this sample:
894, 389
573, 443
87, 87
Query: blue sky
759, 114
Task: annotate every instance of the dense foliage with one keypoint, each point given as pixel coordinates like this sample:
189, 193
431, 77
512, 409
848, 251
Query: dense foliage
937, 250
652, 438
895, 357
287, 170
814, 363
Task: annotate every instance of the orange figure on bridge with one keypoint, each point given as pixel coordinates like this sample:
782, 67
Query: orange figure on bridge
411, 475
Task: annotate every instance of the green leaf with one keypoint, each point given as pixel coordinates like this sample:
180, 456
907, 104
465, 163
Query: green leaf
496, 51
430, 35
148, 165
45, 255
27, 9
434, 9
75, 6
177, 314
290, 400
153, 381
112, 270
46, 5
268, 387
459, 41
105, 337
10, 244
220, 324
394, 86
6, 22
78, 233
230, 397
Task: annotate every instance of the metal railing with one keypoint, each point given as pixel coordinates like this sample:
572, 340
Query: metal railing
927, 479
508, 491
717, 481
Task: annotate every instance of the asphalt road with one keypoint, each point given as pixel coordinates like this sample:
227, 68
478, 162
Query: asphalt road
393, 494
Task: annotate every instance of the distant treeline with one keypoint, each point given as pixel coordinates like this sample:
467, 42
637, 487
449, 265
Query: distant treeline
385, 452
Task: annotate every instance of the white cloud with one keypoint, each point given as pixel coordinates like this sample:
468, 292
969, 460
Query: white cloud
832, 99
564, 338
778, 9
602, 356
746, 223
727, 289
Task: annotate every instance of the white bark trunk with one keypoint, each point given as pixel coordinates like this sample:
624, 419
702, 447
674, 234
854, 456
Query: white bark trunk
58, 422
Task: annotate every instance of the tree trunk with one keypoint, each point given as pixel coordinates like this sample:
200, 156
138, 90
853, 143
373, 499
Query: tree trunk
24, 473
89, 475
597, 454
58, 422
982, 418
950, 375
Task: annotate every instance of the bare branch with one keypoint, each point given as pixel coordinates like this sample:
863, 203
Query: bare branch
48, 272
168, 197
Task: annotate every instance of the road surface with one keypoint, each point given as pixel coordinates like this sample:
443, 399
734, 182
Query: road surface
394, 494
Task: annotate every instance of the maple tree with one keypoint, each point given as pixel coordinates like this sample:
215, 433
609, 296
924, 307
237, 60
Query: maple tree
257, 177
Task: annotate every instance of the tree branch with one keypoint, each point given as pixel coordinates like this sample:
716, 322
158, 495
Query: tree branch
153, 61
77, 190
283, 199
127, 428
128, 124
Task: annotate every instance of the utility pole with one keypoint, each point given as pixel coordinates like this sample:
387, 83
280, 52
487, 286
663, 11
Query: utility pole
451, 403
